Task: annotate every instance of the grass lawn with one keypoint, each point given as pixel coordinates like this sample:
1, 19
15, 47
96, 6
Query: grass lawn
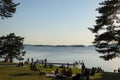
108, 76
24, 73
19, 73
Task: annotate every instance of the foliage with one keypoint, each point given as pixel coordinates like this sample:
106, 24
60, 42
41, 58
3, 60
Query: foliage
11, 46
7, 8
107, 29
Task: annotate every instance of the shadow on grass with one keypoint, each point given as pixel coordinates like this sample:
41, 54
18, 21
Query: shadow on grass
110, 76
23, 74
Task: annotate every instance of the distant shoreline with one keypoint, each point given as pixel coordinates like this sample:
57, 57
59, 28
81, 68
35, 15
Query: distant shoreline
55, 45
58, 45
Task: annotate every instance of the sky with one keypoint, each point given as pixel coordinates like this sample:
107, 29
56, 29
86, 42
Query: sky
53, 22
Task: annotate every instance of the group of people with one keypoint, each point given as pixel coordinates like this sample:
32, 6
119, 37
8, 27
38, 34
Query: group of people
67, 72
20, 64
84, 75
34, 68
85, 72
64, 72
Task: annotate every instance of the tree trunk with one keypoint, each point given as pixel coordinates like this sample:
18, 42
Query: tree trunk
11, 59
6, 59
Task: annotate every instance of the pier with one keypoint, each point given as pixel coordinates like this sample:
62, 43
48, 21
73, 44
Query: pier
45, 62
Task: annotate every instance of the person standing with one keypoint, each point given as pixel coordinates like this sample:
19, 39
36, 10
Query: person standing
83, 68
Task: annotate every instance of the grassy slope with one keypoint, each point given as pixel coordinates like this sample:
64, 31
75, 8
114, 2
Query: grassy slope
110, 76
24, 73
19, 73
106, 76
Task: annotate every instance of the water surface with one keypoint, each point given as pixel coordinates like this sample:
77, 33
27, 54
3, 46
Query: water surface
72, 54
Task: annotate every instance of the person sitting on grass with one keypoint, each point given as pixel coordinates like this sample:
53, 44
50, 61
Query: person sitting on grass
39, 72
69, 73
62, 76
63, 72
33, 67
87, 73
92, 72
56, 72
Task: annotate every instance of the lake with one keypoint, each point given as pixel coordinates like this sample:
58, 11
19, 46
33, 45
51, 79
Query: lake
71, 54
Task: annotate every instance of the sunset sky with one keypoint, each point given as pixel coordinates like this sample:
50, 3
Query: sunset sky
54, 22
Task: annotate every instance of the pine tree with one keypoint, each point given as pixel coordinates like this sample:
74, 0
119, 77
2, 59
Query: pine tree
107, 29
11, 46
7, 8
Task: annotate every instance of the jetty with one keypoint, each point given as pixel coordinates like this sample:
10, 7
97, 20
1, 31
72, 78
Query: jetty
45, 62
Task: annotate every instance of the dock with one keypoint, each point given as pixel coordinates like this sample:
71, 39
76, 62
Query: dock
45, 62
